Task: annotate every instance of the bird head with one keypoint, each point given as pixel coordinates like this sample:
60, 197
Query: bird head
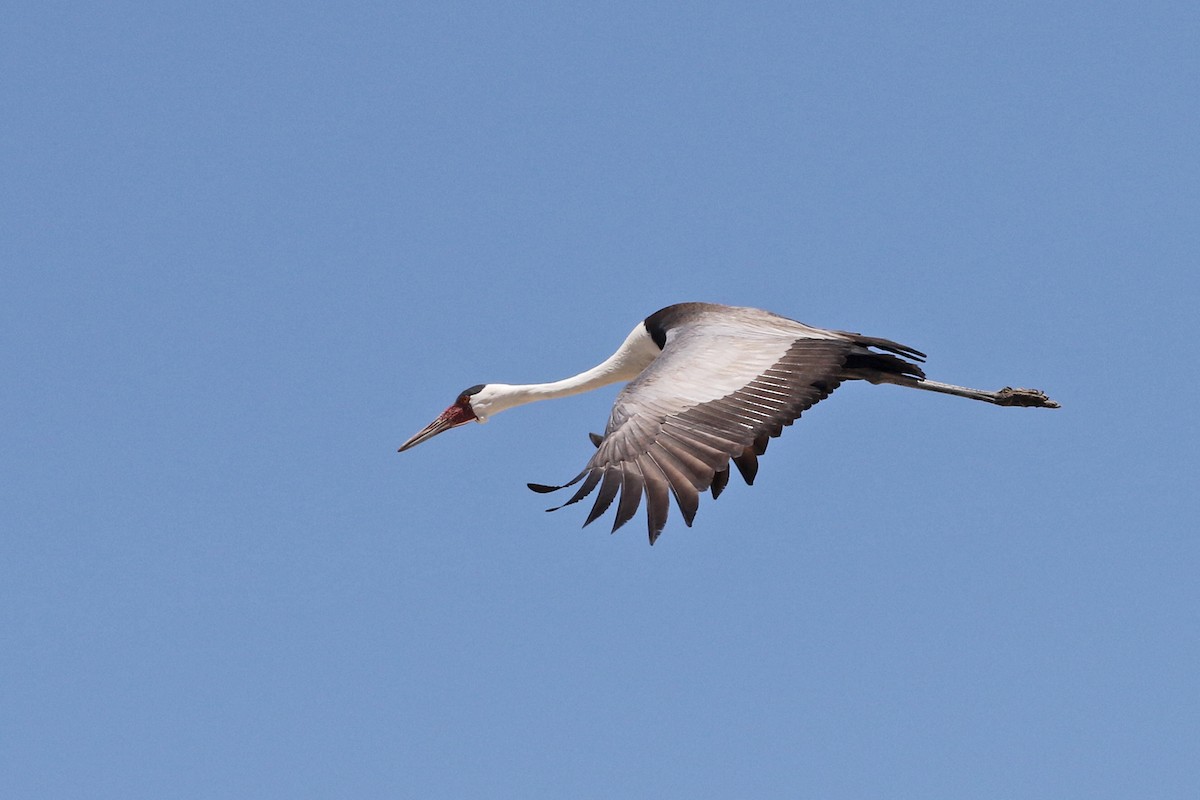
460, 413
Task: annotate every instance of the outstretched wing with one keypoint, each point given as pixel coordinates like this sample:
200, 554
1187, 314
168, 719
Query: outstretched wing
718, 392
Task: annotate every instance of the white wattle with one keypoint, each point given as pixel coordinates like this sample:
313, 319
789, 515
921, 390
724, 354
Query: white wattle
634, 355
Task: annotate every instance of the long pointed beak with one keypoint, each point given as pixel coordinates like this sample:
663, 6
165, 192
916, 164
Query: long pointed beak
442, 423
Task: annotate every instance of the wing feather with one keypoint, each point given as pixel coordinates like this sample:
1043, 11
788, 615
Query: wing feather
658, 493
747, 465
720, 481
631, 493
683, 459
608, 490
589, 483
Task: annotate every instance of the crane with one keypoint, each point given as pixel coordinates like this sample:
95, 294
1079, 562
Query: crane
708, 385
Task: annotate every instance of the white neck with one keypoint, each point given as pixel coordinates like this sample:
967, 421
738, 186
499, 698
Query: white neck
633, 356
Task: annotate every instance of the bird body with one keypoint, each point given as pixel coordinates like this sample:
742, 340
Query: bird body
707, 385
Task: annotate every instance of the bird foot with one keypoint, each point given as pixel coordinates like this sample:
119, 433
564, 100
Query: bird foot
1029, 398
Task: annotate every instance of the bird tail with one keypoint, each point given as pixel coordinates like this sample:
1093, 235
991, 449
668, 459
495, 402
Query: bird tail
865, 363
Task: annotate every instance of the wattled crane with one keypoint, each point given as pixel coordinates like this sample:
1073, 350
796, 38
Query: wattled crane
708, 384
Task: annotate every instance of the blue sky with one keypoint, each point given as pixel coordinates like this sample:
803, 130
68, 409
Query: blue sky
249, 249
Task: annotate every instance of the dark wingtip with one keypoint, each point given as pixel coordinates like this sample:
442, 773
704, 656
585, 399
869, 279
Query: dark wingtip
719, 482
542, 488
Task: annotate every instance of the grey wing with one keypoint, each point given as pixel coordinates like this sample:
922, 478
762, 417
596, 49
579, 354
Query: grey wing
712, 396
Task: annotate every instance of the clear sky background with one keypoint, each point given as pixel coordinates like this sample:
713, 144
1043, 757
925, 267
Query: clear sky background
246, 249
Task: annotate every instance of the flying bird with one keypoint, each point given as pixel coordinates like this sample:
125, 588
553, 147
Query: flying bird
708, 384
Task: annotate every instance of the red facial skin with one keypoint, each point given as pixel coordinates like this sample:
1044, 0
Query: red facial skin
458, 414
